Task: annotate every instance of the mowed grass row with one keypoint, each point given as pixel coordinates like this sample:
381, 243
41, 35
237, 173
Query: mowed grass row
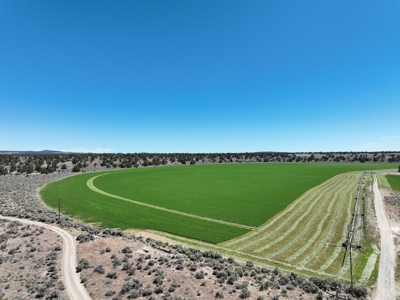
248, 194
394, 181
308, 234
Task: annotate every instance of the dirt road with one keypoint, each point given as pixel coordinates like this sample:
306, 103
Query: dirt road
71, 280
386, 283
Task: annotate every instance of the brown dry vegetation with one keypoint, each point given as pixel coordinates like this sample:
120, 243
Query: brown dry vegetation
177, 272
29, 262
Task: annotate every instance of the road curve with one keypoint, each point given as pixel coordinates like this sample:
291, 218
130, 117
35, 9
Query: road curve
386, 284
71, 279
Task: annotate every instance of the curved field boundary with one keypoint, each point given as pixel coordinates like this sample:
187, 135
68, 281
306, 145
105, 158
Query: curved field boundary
91, 186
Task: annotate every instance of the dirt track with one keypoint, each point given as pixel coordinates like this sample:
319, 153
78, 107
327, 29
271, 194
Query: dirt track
386, 283
71, 279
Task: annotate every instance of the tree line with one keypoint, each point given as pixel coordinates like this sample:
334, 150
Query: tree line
49, 163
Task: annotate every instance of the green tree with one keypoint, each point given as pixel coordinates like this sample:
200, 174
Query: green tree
76, 169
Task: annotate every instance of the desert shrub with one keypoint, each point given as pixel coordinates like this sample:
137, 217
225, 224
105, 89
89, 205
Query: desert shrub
116, 262
158, 280
193, 267
52, 296
290, 287
264, 286
158, 289
241, 285
231, 279
99, 269
83, 238
109, 293
276, 271
134, 294
171, 289
245, 293
275, 285
309, 287
127, 250
147, 291
219, 295
199, 274
126, 266
112, 275
357, 291
283, 280
212, 254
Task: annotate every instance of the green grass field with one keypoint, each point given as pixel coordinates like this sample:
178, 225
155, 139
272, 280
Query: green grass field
394, 181
247, 194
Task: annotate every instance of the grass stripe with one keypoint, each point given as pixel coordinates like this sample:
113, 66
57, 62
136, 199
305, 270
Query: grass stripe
293, 227
287, 211
318, 249
298, 205
91, 186
307, 228
245, 256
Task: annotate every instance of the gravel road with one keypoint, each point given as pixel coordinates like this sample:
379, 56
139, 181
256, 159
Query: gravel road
386, 283
71, 279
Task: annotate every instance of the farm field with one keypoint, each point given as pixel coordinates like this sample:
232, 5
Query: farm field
394, 181
211, 203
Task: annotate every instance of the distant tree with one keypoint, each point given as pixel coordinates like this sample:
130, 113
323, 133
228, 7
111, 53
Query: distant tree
3, 171
76, 169
30, 169
64, 166
399, 168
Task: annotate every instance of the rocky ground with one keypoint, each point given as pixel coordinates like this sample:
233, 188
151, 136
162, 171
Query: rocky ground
29, 262
117, 266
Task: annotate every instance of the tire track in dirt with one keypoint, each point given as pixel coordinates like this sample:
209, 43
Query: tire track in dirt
71, 279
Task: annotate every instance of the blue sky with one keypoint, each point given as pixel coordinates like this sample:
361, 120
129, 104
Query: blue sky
200, 76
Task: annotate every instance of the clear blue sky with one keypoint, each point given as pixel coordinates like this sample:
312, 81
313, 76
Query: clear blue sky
200, 76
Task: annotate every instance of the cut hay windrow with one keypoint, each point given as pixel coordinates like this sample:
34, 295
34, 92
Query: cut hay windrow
245, 256
298, 216
321, 224
316, 250
311, 222
298, 204
369, 266
337, 250
303, 201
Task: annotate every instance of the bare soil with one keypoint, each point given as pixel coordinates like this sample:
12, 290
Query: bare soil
29, 262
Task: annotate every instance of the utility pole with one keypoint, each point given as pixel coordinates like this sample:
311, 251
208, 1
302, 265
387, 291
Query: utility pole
59, 211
